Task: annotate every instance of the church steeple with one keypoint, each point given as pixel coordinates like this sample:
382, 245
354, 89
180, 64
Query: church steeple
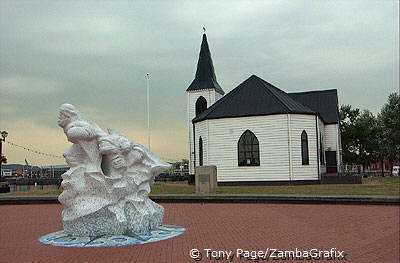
205, 75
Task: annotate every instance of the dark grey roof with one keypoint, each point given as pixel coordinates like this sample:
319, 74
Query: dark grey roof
253, 97
205, 75
325, 102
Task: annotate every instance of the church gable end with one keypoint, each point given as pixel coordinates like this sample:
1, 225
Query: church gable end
325, 102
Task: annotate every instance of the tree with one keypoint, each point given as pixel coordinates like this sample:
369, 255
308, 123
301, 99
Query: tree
380, 148
389, 119
359, 135
365, 136
348, 116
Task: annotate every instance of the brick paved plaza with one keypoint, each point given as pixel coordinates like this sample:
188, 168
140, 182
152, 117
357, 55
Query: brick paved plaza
365, 233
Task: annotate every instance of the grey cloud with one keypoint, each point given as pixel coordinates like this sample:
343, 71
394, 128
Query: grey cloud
96, 53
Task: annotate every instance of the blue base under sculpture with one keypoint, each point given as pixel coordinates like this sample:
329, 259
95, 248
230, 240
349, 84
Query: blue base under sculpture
63, 240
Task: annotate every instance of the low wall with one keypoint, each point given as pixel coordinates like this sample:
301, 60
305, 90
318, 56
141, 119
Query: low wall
4, 187
33, 181
272, 199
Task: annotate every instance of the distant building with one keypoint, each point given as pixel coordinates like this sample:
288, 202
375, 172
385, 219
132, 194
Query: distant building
180, 168
54, 170
6, 172
259, 133
385, 164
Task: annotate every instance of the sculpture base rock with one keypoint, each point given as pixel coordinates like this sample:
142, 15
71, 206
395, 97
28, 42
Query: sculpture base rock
141, 216
62, 239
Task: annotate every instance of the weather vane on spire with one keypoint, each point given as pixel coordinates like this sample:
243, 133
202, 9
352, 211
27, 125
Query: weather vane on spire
204, 29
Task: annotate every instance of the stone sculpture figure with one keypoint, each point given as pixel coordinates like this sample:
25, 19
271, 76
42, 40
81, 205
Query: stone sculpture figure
106, 189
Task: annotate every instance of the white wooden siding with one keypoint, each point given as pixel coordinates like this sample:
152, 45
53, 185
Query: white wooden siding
333, 142
202, 131
331, 137
218, 96
339, 152
321, 131
271, 132
220, 138
210, 95
298, 124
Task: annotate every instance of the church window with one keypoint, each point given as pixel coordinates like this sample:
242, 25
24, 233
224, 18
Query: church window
248, 150
201, 151
201, 105
304, 148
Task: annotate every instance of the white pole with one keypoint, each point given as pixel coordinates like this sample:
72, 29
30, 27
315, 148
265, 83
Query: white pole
148, 110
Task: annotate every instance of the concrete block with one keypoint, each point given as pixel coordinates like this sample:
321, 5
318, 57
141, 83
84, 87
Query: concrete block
206, 179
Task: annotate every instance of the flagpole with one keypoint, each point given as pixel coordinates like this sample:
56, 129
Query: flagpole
148, 110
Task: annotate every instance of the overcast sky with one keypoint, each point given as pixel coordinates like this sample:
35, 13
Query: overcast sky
95, 55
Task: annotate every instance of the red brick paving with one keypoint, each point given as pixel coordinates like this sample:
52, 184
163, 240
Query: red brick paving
365, 233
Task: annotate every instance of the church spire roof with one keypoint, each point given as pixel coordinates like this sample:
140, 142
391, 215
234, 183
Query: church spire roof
205, 75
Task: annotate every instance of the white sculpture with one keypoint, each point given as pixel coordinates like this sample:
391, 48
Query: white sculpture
106, 189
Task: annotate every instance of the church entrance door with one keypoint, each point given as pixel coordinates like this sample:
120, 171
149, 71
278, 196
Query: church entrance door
331, 163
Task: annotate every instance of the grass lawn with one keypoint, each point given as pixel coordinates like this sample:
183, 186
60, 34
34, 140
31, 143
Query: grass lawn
371, 186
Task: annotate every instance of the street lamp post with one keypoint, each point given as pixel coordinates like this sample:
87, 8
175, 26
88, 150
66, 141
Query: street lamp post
148, 110
3, 139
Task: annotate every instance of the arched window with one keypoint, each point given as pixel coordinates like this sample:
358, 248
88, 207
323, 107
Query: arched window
248, 150
200, 151
304, 148
201, 105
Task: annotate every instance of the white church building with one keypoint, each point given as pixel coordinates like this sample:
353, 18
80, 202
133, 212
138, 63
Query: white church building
258, 133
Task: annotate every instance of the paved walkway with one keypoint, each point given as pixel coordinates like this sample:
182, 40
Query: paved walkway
364, 233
